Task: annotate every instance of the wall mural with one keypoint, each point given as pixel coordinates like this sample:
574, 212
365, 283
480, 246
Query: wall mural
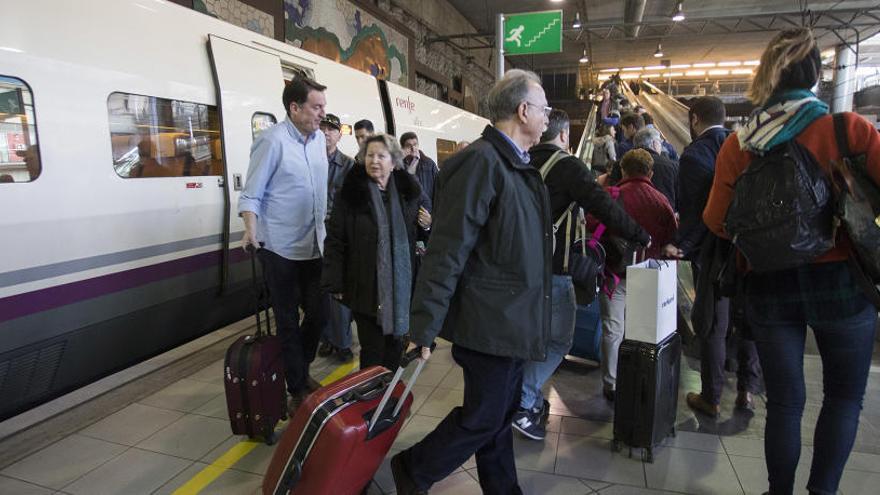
238, 13
340, 31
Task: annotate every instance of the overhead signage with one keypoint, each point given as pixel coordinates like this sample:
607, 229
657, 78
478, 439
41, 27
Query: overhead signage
533, 32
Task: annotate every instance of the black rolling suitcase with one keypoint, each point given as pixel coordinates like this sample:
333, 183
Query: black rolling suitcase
253, 375
646, 398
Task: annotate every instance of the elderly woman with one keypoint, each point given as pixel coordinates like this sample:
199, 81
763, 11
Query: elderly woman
369, 253
823, 295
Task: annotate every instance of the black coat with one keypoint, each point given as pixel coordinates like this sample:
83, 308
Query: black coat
350, 246
486, 278
571, 180
665, 177
696, 173
426, 173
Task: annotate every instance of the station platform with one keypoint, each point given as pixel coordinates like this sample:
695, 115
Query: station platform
167, 433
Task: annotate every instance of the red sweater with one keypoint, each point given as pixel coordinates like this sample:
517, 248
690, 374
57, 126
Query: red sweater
819, 138
650, 209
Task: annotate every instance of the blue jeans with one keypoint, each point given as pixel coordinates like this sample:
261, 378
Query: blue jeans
845, 346
562, 316
337, 331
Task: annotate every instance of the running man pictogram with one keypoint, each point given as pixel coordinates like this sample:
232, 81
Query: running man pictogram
516, 35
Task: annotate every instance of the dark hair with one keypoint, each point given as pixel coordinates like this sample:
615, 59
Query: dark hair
632, 119
604, 130
647, 118
637, 162
558, 121
297, 91
709, 109
364, 124
406, 136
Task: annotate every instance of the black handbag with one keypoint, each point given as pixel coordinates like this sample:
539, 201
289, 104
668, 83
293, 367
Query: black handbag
858, 211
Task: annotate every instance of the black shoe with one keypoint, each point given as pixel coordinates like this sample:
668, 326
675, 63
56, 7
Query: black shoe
529, 424
344, 355
403, 482
325, 349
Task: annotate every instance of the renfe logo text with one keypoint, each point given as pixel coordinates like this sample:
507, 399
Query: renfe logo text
406, 103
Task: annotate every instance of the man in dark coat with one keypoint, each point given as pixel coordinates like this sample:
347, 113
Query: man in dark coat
485, 285
420, 165
665, 177
569, 180
697, 172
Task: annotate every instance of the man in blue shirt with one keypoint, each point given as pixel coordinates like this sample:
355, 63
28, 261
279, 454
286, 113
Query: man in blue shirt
283, 205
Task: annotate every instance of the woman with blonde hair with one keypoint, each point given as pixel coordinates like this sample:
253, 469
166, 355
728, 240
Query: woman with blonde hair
370, 250
822, 294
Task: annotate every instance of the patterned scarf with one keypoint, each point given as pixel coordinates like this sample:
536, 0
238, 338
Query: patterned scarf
781, 120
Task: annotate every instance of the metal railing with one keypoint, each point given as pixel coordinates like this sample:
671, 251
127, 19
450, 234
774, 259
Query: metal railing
585, 146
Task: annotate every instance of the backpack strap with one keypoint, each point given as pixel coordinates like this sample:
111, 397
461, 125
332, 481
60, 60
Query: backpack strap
551, 162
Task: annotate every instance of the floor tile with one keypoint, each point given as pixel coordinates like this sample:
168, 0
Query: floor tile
190, 437
695, 441
535, 483
213, 373
592, 458
132, 424
134, 472
595, 485
383, 478
64, 461
431, 375
215, 408
420, 395
554, 423
692, 471
454, 379
752, 474
748, 447
859, 483
184, 395
18, 487
415, 430
630, 490
859, 461
441, 401
536, 455
256, 461
461, 483
587, 428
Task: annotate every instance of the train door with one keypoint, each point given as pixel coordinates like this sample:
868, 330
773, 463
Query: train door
249, 84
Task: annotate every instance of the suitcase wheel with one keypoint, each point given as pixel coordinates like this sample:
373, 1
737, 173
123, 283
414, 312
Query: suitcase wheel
615, 445
270, 438
648, 455
672, 433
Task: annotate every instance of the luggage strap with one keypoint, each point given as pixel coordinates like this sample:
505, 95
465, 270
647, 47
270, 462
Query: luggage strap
567, 215
257, 298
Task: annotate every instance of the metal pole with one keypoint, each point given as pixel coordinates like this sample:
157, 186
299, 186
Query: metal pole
499, 46
844, 79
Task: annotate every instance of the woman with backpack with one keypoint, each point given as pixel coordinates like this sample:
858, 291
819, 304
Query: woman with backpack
785, 292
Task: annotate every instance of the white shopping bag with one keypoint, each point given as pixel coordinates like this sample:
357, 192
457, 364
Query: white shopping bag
651, 290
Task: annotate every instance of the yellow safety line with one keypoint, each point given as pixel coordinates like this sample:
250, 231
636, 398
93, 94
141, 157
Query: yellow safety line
213, 471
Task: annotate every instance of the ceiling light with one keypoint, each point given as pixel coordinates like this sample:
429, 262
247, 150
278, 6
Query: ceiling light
695, 73
747, 72
752, 62
729, 64
680, 66
678, 15
630, 76
577, 21
584, 59
659, 52
649, 76
719, 72
704, 64
673, 74
630, 69
655, 67
615, 69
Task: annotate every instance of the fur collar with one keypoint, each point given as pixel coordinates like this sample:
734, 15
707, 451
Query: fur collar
355, 190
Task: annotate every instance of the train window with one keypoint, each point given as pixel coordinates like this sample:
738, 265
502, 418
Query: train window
19, 150
158, 137
260, 122
445, 149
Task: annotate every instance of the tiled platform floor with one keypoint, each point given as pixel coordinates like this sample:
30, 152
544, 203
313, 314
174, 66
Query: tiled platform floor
157, 444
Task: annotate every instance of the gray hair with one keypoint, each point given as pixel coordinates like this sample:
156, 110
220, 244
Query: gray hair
645, 138
390, 143
509, 92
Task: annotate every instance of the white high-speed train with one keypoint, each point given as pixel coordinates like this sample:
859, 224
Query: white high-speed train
126, 128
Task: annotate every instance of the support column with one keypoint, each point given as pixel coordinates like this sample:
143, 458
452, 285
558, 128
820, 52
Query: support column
844, 79
499, 46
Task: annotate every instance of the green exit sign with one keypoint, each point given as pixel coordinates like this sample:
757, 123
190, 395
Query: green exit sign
533, 32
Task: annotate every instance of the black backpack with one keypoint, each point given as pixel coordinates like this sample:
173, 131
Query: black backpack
781, 215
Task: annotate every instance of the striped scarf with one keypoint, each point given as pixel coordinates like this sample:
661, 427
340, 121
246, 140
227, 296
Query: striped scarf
781, 120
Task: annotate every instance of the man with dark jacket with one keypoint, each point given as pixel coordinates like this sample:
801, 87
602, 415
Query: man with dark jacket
419, 164
665, 177
569, 180
697, 172
485, 285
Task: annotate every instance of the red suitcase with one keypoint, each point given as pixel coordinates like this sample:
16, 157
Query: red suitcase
253, 374
330, 447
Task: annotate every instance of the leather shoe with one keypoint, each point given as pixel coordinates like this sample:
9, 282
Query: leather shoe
402, 480
696, 402
744, 401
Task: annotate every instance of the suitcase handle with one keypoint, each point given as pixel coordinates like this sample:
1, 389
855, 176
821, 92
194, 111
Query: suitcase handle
254, 250
369, 390
404, 362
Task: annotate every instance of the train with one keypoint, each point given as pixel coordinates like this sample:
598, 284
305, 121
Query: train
127, 129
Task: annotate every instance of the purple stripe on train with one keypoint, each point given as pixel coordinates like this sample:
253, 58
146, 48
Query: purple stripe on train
61, 295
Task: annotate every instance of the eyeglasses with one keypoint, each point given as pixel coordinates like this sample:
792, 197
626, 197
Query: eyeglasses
547, 110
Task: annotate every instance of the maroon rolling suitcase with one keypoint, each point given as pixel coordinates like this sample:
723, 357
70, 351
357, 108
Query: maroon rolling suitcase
253, 374
340, 434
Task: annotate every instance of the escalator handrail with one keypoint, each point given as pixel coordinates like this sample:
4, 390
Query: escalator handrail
585, 146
